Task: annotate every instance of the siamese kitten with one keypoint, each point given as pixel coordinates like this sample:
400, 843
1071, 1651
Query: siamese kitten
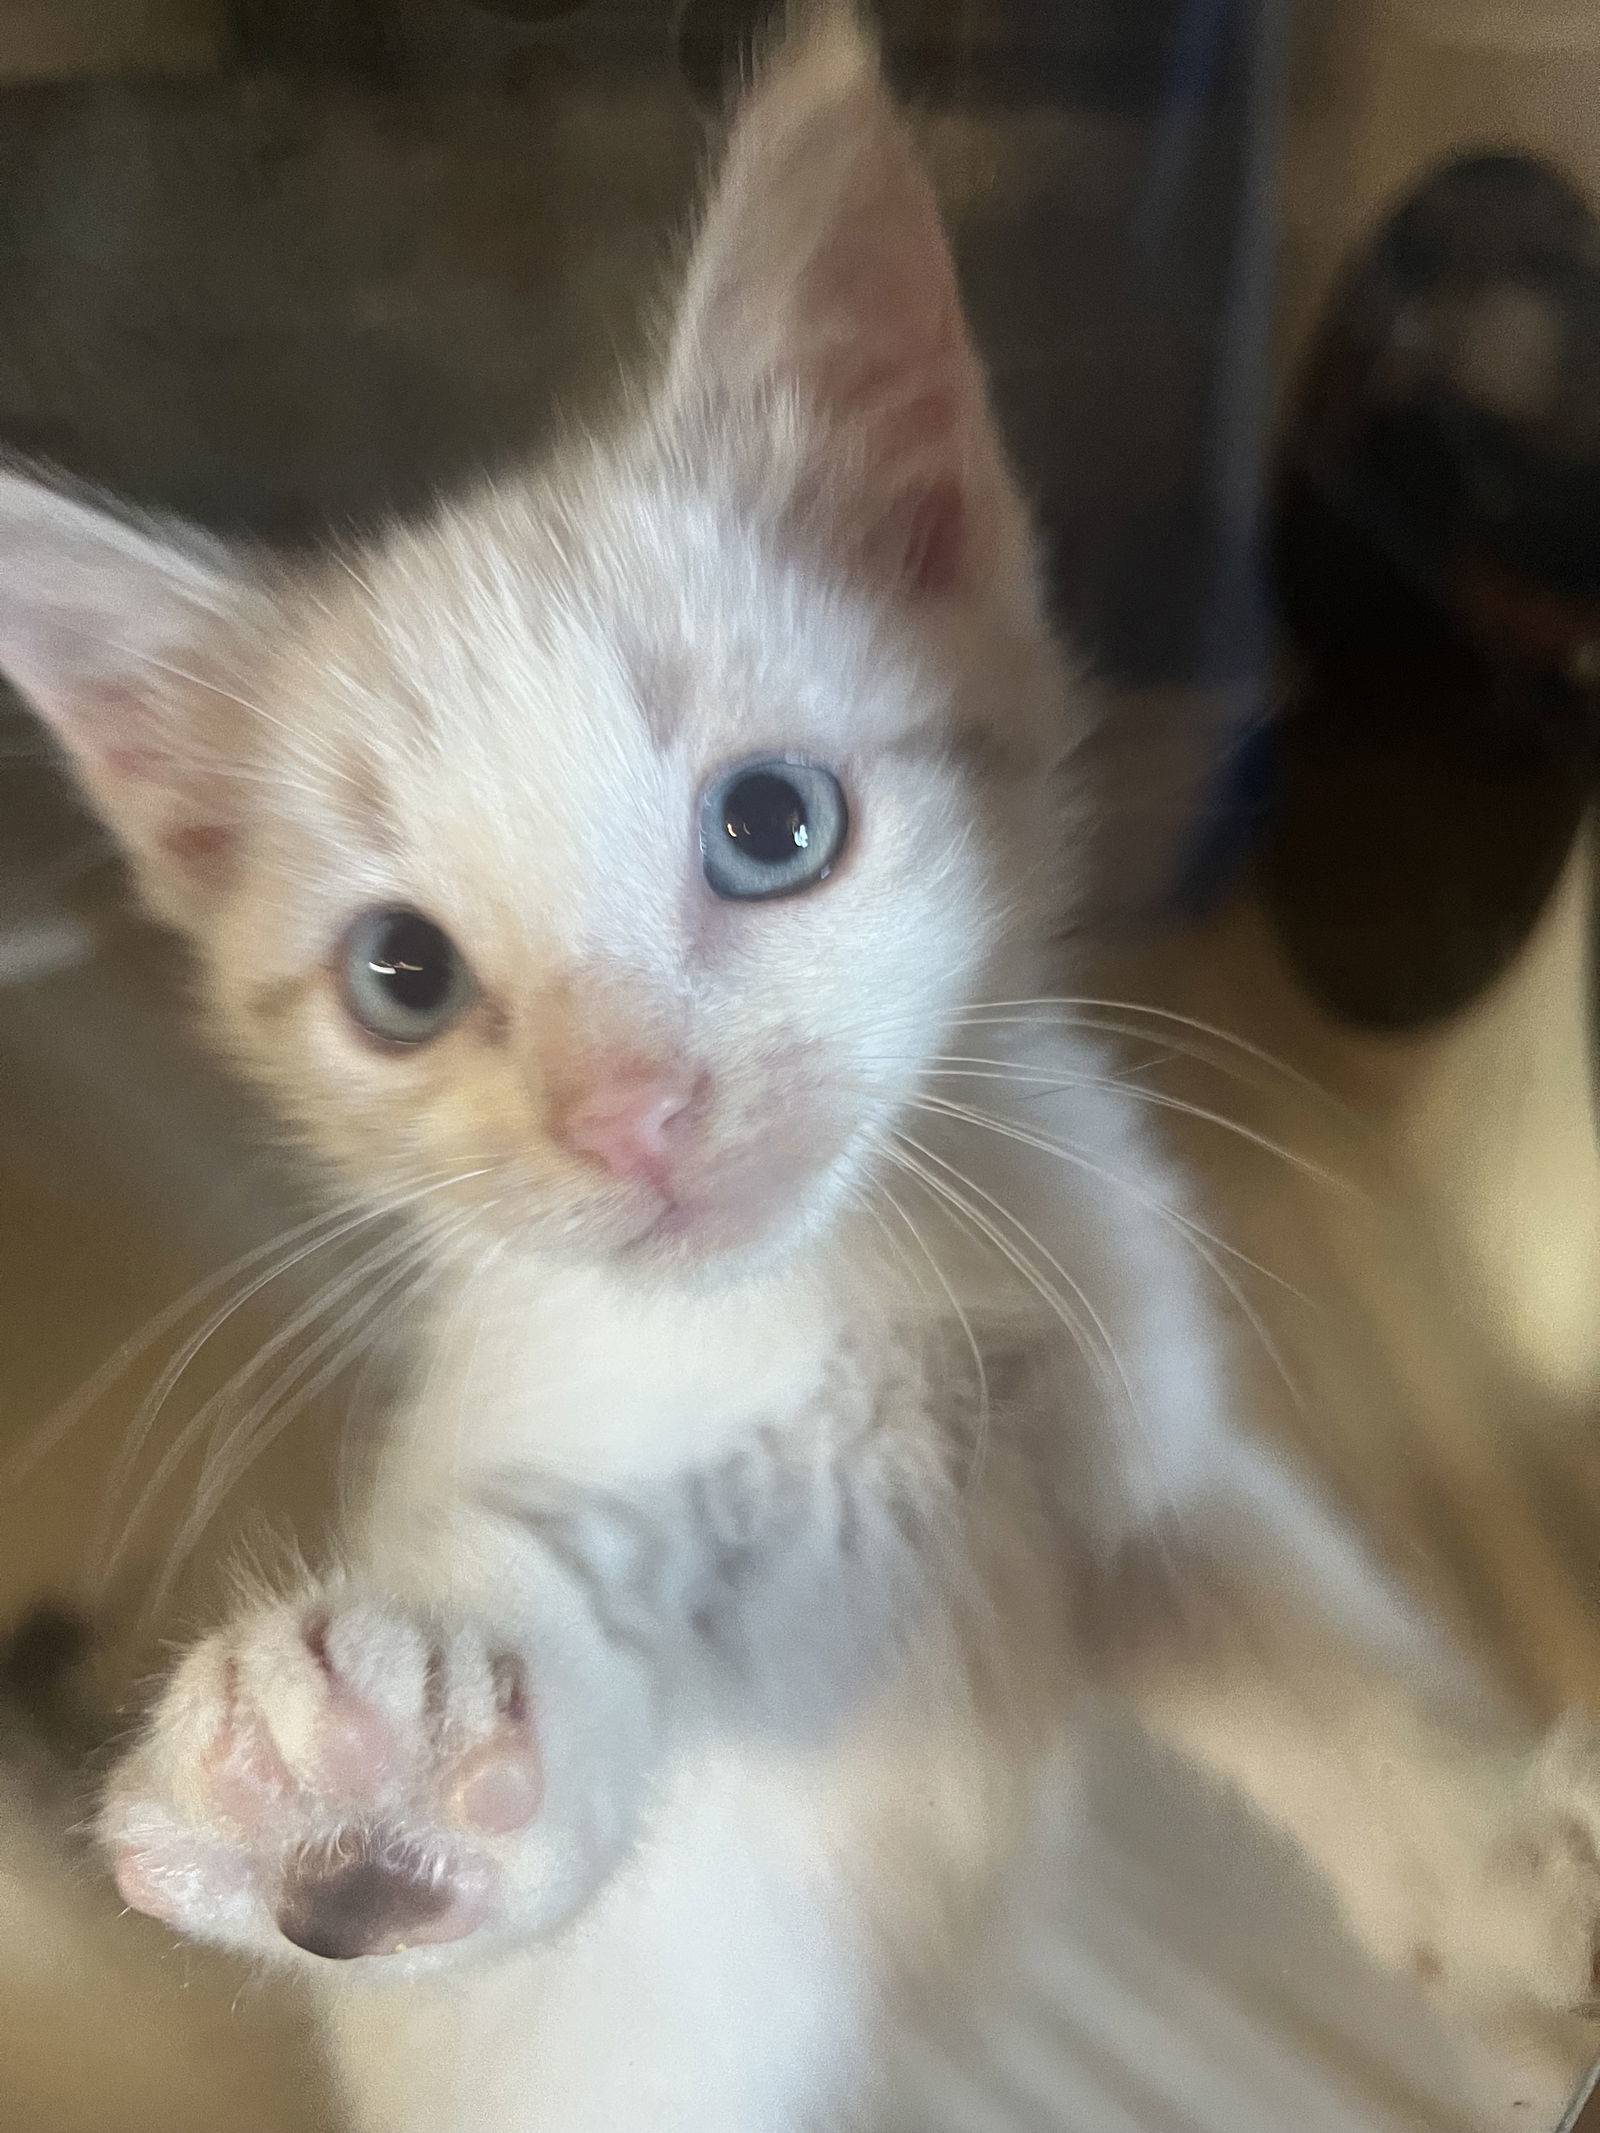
637, 877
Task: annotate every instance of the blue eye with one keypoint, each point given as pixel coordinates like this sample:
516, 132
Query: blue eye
404, 978
771, 829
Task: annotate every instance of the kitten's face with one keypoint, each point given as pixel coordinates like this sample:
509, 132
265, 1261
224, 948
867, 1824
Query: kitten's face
661, 1036
605, 861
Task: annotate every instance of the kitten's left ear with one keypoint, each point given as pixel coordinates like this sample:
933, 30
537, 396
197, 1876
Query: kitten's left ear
821, 282
115, 636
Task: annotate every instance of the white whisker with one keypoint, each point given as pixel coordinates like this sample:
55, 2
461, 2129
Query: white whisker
1160, 1100
1209, 1248
1077, 1010
108, 1550
144, 1419
985, 1410
64, 1418
1070, 1152
1102, 1358
367, 1321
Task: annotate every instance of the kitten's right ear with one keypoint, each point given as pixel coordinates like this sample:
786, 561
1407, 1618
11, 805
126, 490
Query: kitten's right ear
821, 287
114, 635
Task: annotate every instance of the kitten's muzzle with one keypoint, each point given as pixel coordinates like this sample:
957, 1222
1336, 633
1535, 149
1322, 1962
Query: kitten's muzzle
637, 1123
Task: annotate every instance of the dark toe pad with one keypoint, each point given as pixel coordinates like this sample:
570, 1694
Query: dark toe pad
360, 1906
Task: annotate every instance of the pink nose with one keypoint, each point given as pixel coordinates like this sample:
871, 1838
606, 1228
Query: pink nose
630, 1124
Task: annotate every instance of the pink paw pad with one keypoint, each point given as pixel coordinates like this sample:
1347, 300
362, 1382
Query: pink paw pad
498, 1788
143, 1886
353, 1780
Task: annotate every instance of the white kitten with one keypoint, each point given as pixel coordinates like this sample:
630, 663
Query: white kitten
613, 873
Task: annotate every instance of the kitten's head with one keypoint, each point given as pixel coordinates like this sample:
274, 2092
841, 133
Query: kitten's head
607, 857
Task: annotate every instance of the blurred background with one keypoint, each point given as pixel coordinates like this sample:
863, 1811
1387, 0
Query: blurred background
1294, 317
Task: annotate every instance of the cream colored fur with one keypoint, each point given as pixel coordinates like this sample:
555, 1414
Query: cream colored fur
729, 1583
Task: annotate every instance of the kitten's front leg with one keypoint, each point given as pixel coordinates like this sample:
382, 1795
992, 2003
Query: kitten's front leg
350, 1774
1464, 1848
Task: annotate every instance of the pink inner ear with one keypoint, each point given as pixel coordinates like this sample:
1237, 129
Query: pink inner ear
921, 543
109, 720
824, 264
934, 557
880, 314
130, 762
115, 730
879, 305
198, 846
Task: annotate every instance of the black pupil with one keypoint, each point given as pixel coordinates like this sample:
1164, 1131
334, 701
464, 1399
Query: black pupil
766, 818
415, 963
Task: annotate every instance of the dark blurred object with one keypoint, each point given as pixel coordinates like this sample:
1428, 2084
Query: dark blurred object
50, 1718
1436, 553
1105, 49
367, 262
1583, 2116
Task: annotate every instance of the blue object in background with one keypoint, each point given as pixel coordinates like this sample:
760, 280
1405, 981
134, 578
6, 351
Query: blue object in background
1235, 650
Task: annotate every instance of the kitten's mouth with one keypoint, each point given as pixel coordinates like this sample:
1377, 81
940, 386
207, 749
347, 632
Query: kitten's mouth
645, 1219
694, 1228
753, 1204
738, 1191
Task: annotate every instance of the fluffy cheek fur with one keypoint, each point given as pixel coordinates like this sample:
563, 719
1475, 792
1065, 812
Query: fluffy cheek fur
812, 1020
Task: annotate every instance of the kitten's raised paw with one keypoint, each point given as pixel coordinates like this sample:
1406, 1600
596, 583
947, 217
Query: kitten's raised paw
347, 1778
